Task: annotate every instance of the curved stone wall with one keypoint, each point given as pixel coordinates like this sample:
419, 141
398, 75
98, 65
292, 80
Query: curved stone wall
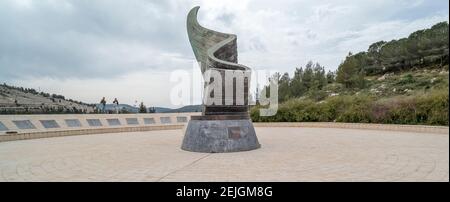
67, 122
19, 127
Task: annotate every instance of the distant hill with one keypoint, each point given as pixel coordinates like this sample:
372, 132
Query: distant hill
188, 108
132, 109
122, 108
19, 100
162, 110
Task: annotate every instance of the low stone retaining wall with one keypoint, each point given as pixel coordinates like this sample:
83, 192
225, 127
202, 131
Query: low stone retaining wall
63, 122
36, 135
369, 126
22, 127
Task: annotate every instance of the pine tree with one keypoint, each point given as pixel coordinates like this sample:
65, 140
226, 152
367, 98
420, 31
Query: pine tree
331, 77
142, 108
283, 88
297, 88
308, 76
349, 73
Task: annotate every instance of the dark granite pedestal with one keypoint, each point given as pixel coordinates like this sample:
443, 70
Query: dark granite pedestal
220, 133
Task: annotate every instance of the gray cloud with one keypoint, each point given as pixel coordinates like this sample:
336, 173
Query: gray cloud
88, 38
59, 43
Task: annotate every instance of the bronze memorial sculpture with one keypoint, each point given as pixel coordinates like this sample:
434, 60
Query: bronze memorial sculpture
225, 124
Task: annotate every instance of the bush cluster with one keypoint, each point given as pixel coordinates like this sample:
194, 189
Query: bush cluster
429, 108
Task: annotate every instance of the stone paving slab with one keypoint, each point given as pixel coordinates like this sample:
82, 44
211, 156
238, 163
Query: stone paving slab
287, 154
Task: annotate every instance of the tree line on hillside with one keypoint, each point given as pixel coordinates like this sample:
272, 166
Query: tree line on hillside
43, 94
309, 80
423, 48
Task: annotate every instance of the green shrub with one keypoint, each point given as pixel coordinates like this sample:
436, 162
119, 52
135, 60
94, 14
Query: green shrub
430, 108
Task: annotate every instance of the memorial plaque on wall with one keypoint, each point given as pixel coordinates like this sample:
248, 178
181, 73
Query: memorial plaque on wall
3, 127
73, 122
24, 124
49, 123
94, 122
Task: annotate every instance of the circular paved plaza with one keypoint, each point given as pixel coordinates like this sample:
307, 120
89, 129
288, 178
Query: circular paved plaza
287, 154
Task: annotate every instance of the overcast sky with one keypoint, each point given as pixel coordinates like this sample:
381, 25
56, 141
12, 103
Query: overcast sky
86, 49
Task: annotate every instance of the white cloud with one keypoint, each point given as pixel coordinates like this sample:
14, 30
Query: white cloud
86, 49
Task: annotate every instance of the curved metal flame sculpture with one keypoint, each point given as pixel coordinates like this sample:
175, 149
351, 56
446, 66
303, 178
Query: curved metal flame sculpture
218, 51
225, 125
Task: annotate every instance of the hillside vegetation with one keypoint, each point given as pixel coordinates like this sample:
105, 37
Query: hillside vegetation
19, 100
403, 81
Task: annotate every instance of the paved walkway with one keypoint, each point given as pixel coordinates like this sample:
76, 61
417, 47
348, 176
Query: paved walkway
287, 154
